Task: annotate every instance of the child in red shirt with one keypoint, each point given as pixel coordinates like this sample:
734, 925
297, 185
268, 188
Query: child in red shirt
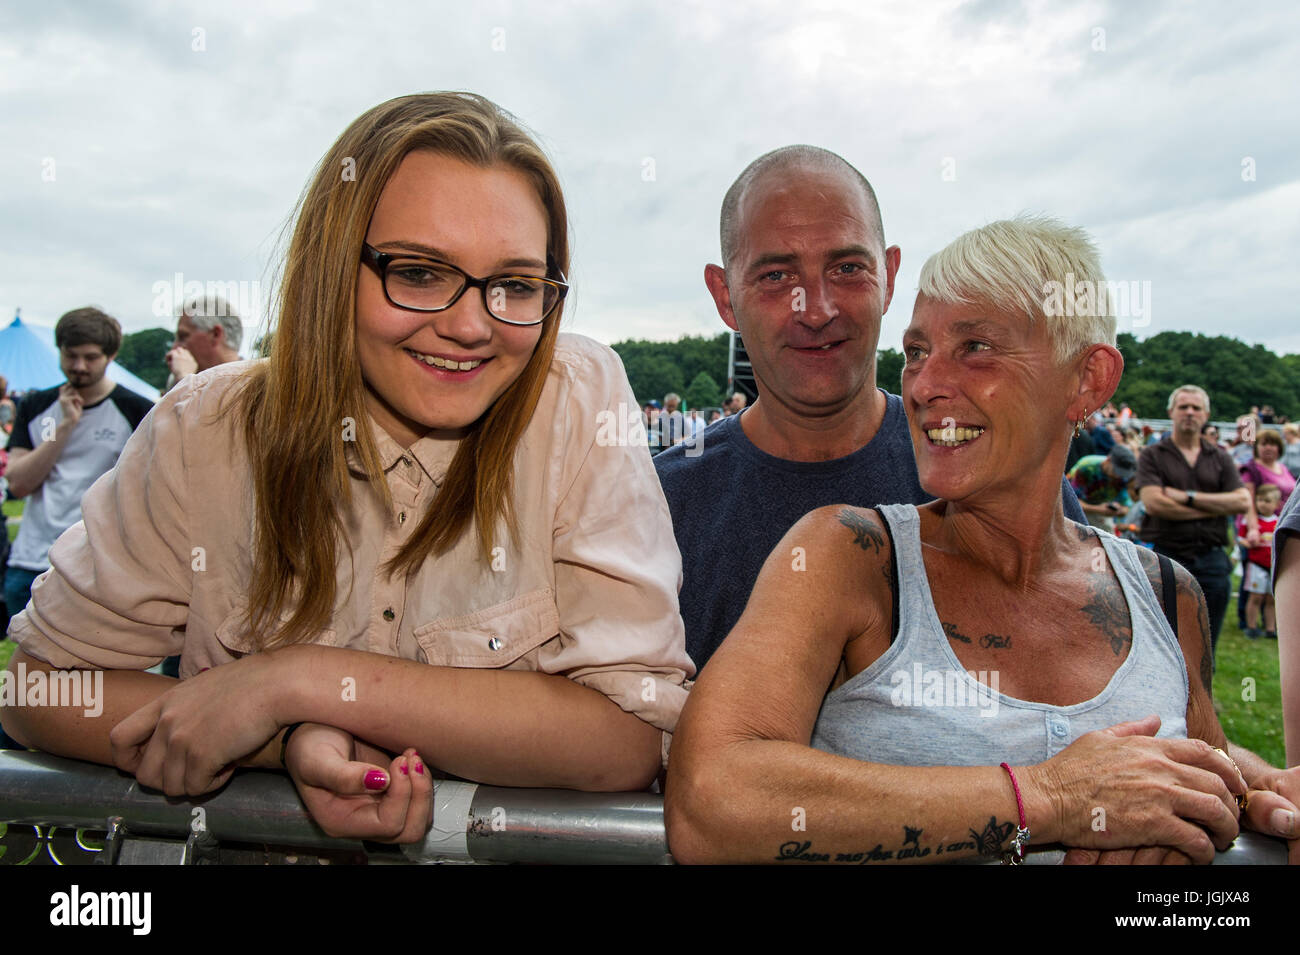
1259, 561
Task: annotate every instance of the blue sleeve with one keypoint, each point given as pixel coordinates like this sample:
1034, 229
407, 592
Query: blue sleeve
1070, 500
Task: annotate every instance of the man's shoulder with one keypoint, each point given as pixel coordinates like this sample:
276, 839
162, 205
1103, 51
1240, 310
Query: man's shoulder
691, 460
34, 402
130, 405
124, 397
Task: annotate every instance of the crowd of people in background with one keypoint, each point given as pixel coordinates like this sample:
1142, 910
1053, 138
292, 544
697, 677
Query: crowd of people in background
668, 425
1263, 451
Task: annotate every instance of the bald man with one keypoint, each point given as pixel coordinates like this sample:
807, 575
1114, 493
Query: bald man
806, 279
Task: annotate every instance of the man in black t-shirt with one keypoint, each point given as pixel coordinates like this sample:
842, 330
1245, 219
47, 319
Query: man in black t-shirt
64, 438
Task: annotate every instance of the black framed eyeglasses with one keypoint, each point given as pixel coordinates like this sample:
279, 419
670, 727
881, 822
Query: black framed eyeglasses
420, 284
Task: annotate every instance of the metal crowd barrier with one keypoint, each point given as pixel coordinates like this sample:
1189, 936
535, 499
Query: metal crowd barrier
472, 823
258, 818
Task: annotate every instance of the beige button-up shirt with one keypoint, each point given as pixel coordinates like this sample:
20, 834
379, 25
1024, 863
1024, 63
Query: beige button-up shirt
161, 562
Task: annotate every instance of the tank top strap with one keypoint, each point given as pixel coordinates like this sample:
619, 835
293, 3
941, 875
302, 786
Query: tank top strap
917, 616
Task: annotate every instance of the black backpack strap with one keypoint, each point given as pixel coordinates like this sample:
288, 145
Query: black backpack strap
1167, 583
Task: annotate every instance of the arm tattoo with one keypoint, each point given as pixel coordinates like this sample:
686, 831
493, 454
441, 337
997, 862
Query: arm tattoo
913, 846
1109, 614
1187, 584
865, 534
989, 842
1084, 532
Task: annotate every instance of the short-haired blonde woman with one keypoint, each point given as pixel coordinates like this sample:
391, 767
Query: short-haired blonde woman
965, 678
399, 534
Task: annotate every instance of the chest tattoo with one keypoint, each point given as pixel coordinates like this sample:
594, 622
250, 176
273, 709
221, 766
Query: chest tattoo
1108, 612
990, 641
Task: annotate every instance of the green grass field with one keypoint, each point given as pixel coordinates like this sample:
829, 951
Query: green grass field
1248, 692
12, 509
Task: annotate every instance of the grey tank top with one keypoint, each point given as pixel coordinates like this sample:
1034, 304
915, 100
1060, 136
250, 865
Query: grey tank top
917, 706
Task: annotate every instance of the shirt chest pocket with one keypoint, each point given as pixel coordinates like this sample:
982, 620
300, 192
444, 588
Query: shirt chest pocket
235, 636
496, 636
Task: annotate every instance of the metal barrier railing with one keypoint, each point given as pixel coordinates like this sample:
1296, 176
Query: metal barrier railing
472, 823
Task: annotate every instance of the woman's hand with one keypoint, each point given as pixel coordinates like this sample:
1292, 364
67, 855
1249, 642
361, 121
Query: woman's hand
188, 741
1271, 808
352, 799
1119, 788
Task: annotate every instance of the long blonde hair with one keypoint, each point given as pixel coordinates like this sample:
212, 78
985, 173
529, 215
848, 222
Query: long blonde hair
297, 406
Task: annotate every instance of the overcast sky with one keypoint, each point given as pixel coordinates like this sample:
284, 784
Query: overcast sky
141, 140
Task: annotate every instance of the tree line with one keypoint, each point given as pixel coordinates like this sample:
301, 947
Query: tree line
1235, 374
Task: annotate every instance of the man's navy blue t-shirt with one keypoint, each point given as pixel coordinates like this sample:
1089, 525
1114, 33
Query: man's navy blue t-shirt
732, 503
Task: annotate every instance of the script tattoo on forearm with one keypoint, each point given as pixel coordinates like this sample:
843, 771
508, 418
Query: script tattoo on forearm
911, 847
865, 534
1109, 613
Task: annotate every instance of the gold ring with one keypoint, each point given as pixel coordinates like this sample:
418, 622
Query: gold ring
1244, 799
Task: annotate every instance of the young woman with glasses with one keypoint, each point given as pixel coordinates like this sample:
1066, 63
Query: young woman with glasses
397, 542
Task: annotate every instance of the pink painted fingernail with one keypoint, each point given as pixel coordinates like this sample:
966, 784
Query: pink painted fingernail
405, 771
376, 779
419, 767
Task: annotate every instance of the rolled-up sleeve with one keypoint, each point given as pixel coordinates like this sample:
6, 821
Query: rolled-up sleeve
617, 567
117, 592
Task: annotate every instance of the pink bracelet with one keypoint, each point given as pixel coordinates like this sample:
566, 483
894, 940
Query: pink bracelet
1015, 855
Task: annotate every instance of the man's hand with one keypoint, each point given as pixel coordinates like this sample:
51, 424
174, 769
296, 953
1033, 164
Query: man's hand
180, 362
189, 740
350, 796
70, 403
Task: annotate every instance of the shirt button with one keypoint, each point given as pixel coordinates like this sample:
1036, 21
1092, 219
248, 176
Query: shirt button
401, 518
494, 644
1058, 729
388, 614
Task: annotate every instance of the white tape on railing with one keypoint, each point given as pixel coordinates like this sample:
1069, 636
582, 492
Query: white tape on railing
447, 838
